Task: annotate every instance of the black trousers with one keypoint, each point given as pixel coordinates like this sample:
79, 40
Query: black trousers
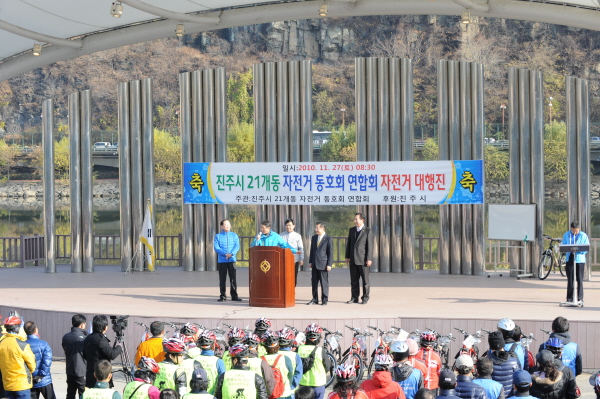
320, 276
75, 386
296, 265
358, 272
224, 269
46, 391
579, 269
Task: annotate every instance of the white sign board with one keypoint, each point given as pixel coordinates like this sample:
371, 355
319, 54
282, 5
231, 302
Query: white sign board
511, 222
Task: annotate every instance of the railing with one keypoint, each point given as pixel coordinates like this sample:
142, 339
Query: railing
22, 250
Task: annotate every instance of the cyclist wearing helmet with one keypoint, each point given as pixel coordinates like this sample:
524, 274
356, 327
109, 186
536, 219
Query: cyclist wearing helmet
431, 358
465, 387
227, 245
286, 339
346, 386
258, 365
234, 336
504, 364
17, 361
171, 374
314, 376
506, 326
409, 378
212, 364
141, 387
261, 326
571, 353
240, 382
199, 386
447, 385
268, 238
189, 335
381, 386
413, 352
270, 340
493, 389
152, 347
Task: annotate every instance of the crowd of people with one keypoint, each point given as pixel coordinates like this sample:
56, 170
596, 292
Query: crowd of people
267, 364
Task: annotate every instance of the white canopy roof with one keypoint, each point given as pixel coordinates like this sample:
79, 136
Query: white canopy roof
70, 28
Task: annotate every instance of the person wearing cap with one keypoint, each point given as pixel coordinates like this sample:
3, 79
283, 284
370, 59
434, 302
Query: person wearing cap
571, 353
507, 327
152, 347
493, 389
431, 358
504, 363
270, 340
447, 385
409, 378
548, 382
143, 378
286, 339
17, 361
381, 385
199, 386
465, 387
171, 374
190, 364
258, 365
521, 385
346, 384
413, 356
240, 381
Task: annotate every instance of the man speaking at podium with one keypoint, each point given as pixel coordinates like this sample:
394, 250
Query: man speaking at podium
575, 262
268, 238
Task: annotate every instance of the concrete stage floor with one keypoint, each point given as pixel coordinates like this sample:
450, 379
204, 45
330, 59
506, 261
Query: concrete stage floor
411, 301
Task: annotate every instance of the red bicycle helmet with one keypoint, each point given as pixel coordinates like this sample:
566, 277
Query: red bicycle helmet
189, 329
262, 323
286, 337
173, 345
236, 333
345, 373
313, 331
207, 339
270, 339
148, 364
427, 338
252, 340
239, 350
13, 321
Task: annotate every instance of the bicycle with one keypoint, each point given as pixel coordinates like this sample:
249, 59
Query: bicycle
147, 335
382, 346
469, 345
332, 349
526, 342
552, 259
356, 354
299, 339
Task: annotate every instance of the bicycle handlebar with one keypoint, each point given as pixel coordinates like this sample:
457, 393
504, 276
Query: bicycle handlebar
294, 329
546, 331
377, 329
228, 326
396, 328
461, 331
141, 324
356, 330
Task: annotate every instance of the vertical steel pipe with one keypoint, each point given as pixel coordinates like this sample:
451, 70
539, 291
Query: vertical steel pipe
444, 154
306, 111
455, 153
408, 119
271, 111
210, 211
465, 74
478, 152
137, 186
372, 125
583, 157
148, 148
185, 134
361, 108
220, 133
124, 176
513, 134
87, 183
383, 122
259, 127
196, 139
295, 147
525, 136
49, 217
281, 103
75, 182
537, 158
572, 172
396, 103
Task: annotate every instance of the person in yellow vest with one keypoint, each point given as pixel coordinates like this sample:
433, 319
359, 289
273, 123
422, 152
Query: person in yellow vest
199, 385
234, 336
240, 382
189, 334
258, 365
261, 325
286, 339
213, 366
171, 374
270, 340
316, 375
101, 390
152, 347
141, 387
17, 361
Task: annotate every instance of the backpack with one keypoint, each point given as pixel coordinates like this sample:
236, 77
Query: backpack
279, 387
307, 362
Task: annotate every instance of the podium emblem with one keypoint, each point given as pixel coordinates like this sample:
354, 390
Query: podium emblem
265, 266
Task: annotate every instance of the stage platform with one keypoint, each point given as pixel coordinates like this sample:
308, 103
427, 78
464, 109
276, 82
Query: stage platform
411, 301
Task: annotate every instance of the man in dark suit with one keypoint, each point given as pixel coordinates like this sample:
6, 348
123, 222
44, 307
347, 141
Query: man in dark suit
359, 252
320, 260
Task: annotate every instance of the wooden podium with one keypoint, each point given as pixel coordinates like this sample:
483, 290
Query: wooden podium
272, 277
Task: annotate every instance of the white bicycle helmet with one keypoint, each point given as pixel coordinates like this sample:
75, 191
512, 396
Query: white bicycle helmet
506, 324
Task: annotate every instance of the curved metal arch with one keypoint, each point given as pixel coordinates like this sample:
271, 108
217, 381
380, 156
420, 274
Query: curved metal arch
175, 16
510, 9
40, 37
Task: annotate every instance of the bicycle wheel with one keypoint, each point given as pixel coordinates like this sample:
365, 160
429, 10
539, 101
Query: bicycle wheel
545, 265
370, 368
562, 264
331, 371
355, 359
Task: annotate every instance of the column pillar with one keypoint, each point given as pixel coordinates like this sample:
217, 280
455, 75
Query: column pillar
49, 214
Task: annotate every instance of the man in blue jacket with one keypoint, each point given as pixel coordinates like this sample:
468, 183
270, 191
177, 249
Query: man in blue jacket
227, 245
575, 262
42, 380
571, 353
268, 238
